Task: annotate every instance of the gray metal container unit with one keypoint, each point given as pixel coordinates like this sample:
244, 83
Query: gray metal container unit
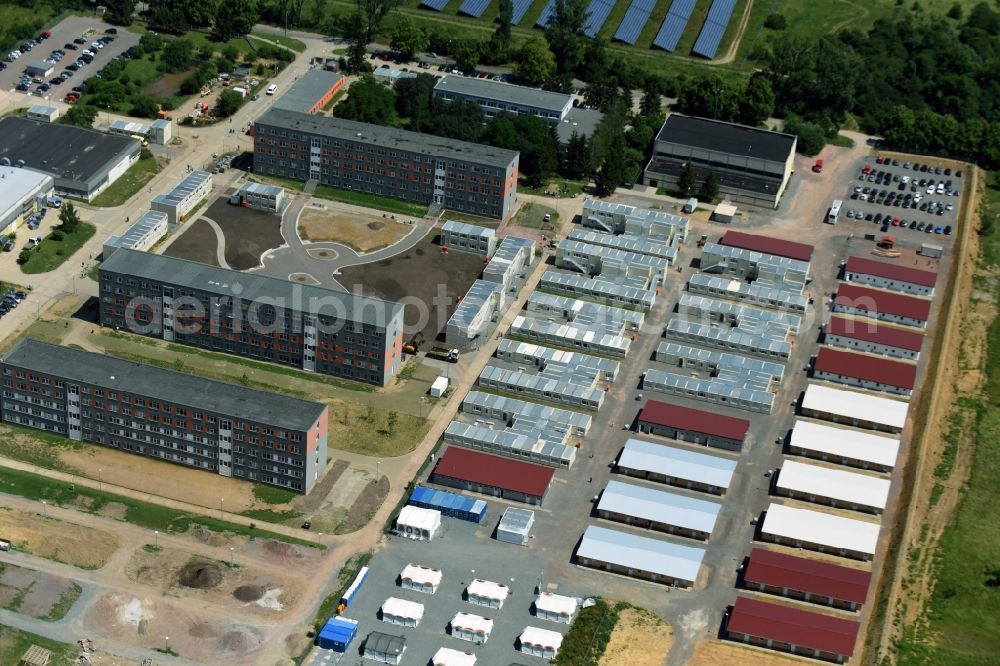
515, 526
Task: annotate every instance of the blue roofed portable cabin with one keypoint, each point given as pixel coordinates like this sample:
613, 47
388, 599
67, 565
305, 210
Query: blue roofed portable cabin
449, 504
337, 634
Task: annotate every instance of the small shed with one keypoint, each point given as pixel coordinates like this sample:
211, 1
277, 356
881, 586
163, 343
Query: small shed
42, 113
420, 578
39, 68
416, 523
556, 607
337, 634
402, 612
931, 250
487, 593
690, 205
36, 656
515, 526
724, 213
384, 648
449, 657
472, 628
540, 642
439, 387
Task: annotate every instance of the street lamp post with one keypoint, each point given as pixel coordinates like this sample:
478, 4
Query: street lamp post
378, 474
156, 538
166, 642
45, 508
231, 556
221, 504
100, 479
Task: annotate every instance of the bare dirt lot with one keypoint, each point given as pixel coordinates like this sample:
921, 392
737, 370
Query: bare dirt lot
36, 593
717, 653
422, 275
197, 243
363, 233
639, 639
57, 540
249, 233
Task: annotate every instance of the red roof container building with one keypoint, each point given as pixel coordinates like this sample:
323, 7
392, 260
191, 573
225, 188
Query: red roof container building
768, 245
870, 336
883, 305
792, 630
870, 372
890, 276
806, 579
693, 425
493, 475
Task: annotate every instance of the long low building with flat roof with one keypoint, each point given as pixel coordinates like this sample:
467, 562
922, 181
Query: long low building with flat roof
473, 317
534, 447
807, 579
834, 487
493, 475
659, 510
844, 446
23, 193
867, 335
676, 466
587, 339
496, 97
865, 371
887, 306
599, 290
693, 425
748, 292
81, 161
890, 276
626, 242
820, 531
141, 236
862, 410
167, 415
311, 91
779, 247
789, 629
639, 557
181, 200
619, 218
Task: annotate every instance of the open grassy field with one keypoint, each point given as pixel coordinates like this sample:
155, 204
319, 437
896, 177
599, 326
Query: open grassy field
131, 182
288, 42
51, 253
14, 643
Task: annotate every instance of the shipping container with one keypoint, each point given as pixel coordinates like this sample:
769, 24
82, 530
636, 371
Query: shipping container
449, 504
337, 634
355, 586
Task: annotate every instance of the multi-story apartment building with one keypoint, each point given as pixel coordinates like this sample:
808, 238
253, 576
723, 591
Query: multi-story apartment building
423, 168
259, 317
224, 428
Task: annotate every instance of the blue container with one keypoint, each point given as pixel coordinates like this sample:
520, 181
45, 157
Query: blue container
449, 504
337, 634
352, 591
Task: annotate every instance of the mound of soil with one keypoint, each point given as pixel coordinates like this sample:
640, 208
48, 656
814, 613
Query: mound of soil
201, 534
200, 575
202, 629
249, 592
375, 226
281, 549
239, 641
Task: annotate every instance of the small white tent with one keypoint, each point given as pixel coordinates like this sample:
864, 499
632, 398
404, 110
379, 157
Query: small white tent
540, 642
487, 593
555, 607
449, 657
416, 523
420, 578
402, 612
473, 628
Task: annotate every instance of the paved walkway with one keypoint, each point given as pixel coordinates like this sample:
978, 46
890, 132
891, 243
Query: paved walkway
220, 241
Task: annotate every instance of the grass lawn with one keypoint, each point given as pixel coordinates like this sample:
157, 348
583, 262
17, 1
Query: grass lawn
199, 39
373, 431
565, 187
272, 495
371, 201
130, 183
533, 215
470, 219
50, 253
143, 514
66, 601
35, 447
288, 42
14, 643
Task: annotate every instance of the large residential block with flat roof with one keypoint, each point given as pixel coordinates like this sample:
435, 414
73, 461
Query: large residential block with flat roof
753, 165
497, 97
426, 169
187, 420
254, 316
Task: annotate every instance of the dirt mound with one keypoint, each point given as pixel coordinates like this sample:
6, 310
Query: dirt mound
200, 575
280, 549
201, 534
239, 641
202, 629
249, 592
375, 226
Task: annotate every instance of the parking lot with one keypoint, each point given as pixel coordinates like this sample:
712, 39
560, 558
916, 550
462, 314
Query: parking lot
906, 198
70, 29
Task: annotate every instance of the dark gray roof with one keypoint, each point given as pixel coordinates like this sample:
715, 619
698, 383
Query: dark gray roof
387, 137
728, 138
62, 151
386, 643
502, 92
161, 384
581, 121
251, 287
309, 89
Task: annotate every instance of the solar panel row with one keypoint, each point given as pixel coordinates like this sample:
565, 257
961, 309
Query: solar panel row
543, 18
520, 9
599, 11
714, 29
436, 5
473, 7
674, 24
631, 25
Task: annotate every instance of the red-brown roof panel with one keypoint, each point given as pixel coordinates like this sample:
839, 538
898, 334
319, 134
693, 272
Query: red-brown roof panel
768, 245
495, 471
869, 368
891, 271
685, 418
870, 330
769, 567
876, 300
790, 625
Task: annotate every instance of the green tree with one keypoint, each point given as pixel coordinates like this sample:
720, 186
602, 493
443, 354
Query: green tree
230, 53
229, 103
775, 22
224, 64
167, 17
466, 53
69, 219
144, 107
235, 18
539, 149
408, 38
686, 181
811, 136
709, 189
318, 12
81, 115
576, 158
955, 12
413, 100
758, 101
119, 12
651, 103
459, 119
535, 62
564, 33
374, 12
500, 132
357, 62
612, 170
177, 55
369, 102
501, 37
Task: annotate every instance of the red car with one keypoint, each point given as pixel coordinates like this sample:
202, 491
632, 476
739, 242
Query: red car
385, 57
879, 159
895, 221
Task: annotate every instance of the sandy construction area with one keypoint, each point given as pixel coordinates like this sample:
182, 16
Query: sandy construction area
639, 639
359, 232
718, 653
83, 547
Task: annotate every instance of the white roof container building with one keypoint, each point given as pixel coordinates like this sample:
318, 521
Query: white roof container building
586, 339
658, 510
618, 218
817, 530
473, 628
556, 607
637, 244
529, 353
417, 523
43, 113
523, 446
480, 307
599, 289
420, 578
402, 612
592, 259
464, 237
639, 557
834, 487
748, 292
142, 235
864, 410
613, 320
845, 446
515, 525
540, 642
487, 593
448, 657
676, 466
513, 411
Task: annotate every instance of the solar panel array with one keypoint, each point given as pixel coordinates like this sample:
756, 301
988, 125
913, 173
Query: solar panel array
599, 11
636, 17
543, 18
712, 32
473, 7
436, 5
674, 24
520, 9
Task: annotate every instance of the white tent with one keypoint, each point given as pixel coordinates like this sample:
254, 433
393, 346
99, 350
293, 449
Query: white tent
449, 657
487, 593
540, 642
416, 523
469, 627
419, 578
555, 607
402, 612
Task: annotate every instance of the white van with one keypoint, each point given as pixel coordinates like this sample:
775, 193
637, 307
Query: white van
271, 89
